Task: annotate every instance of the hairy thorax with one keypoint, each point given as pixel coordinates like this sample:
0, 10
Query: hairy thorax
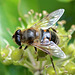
29, 35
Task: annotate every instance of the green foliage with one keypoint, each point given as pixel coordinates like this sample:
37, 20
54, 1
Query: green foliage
65, 0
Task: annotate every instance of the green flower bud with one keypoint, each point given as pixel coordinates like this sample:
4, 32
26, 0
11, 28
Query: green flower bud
6, 55
17, 54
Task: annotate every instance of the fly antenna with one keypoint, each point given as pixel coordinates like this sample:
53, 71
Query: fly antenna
53, 65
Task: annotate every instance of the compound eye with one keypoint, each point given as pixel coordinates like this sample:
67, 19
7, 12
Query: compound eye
18, 32
18, 40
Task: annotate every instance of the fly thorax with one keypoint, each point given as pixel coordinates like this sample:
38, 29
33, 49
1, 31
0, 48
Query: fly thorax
31, 34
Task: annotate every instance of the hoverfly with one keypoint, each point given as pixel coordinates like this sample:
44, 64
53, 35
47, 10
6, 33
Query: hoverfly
40, 36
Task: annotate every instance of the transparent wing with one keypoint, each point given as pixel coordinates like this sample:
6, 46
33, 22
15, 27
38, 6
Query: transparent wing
49, 20
55, 50
50, 48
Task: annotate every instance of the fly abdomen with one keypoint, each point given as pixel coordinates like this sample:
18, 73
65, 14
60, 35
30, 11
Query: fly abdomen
47, 36
54, 37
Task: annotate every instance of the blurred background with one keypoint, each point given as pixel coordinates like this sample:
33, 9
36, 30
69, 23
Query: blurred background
11, 10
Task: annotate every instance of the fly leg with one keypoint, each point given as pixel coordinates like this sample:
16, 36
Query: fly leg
53, 65
53, 29
25, 47
36, 52
20, 47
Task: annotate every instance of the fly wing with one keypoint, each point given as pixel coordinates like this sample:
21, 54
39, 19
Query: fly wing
55, 50
49, 20
50, 48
